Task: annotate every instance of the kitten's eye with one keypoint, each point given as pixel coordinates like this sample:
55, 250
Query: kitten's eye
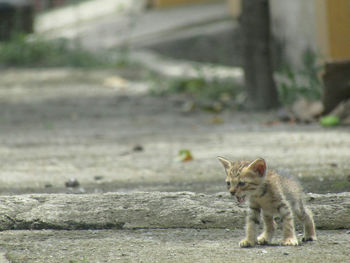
228, 184
241, 184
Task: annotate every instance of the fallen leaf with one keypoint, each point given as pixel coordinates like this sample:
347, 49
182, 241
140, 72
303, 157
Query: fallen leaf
184, 156
216, 120
188, 107
271, 123
116, 82
330, 121
213, 107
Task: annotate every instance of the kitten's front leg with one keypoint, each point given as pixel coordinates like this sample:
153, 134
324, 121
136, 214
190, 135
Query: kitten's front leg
253, 219
266, 237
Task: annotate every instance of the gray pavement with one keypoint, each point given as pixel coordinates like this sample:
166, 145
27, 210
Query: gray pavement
163, 245
102, 128
61, 123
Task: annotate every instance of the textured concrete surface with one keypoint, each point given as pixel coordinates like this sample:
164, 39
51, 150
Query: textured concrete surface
150, 210
62, 124
164, 245
103, 129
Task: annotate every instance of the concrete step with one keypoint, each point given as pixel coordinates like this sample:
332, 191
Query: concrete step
150, 210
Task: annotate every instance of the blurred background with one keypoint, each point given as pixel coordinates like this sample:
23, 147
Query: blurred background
124, 95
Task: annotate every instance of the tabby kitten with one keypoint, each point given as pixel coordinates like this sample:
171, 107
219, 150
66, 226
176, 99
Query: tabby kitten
272, 194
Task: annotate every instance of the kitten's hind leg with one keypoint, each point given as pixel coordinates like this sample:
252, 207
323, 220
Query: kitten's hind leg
269, 228
305, 216
289, 238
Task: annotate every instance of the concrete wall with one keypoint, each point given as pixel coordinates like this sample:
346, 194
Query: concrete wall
294, 26
320, 25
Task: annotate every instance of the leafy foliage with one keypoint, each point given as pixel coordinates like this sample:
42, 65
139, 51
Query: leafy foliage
301, 83
21, 52
212, 95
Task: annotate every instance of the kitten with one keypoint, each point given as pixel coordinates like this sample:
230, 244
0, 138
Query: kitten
272, 194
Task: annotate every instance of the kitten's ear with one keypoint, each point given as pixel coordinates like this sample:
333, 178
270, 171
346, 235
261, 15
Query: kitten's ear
226, 163
258, 166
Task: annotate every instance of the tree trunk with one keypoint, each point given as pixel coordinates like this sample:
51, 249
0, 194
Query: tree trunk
258, 68
15, 19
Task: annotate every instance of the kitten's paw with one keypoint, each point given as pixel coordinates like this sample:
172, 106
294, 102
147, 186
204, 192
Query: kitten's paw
246, 243
311, 238
263, 240
290, 242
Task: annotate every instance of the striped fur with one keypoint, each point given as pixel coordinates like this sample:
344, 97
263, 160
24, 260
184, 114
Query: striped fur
270, 194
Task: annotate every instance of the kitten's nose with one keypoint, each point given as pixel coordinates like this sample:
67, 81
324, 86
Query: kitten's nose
232, 192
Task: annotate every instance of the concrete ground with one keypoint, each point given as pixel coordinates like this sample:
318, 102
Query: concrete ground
163, 245
104, 129
61, 123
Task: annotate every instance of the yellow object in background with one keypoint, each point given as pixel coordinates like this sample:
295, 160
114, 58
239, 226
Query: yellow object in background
338, 12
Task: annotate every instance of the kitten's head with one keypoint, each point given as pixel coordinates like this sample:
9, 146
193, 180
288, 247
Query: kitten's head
244, 177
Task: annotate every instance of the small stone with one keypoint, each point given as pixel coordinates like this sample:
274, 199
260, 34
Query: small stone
98, 177
227, 230
283, 115
72, 183
264, 251
137, 148
311, 198
188, 107
285, 253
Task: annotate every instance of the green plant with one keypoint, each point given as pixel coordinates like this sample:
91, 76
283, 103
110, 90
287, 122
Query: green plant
210, 94
21, 52
83, 260
303, 83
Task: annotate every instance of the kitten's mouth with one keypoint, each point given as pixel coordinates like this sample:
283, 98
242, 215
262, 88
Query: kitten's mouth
240, 199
